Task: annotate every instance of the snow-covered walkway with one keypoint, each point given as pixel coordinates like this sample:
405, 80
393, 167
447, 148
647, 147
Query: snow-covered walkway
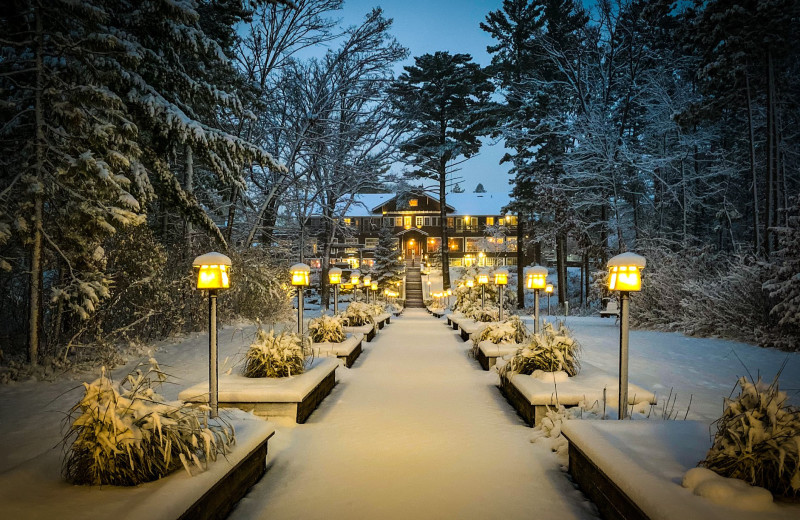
414, 430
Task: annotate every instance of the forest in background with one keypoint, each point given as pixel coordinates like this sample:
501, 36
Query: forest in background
136, 135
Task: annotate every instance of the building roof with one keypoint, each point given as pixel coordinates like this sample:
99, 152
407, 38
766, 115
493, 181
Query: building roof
464, 203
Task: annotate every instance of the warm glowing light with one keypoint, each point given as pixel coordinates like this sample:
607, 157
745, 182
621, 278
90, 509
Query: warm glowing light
367, 279
335, 276
501, 277
354, 276
624, 272
536, 277
300, 274
466, 220
470, 283
483, 278
549, 288
449, 292
214, 269
374, 286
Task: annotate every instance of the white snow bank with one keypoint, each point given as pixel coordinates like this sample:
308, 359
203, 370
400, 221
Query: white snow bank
236, 388
35, 489
727, 491
647, 460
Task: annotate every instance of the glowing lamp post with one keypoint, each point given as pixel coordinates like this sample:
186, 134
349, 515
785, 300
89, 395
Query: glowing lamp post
624, 276
366, 279
300, 278
213, 276
536, 280
483, 279
500, 280
549, 291
335, 278
354, 276
374, 287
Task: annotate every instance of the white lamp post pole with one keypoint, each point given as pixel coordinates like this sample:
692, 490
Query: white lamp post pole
624, 277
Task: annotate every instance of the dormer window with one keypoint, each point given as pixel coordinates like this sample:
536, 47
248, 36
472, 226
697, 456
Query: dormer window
413, 203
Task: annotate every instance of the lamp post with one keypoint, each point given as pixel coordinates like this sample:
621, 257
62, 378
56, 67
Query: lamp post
213, 276
536, 279
549, 291
366, 279
300, 275
335, 278
483, 279
354, 276
500, 280
374, 287
624, 277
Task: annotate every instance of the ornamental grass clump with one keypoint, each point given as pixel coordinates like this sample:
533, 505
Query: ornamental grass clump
552, 350
487, 315
758, 439
275, 355
358, 314
326, 329
126, 435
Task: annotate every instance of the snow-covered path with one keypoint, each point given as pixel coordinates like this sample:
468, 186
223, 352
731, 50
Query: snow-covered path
414, 430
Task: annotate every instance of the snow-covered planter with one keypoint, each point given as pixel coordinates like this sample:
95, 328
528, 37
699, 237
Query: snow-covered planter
758, 439
347, 350
128, 434
486, 315
275, 355
326, 329
498, 340
359, 319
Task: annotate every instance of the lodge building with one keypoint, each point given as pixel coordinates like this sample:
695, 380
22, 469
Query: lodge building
479, 232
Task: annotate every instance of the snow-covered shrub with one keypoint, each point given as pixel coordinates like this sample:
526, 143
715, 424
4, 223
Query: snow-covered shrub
489, 314
127, 435
376, 309
551, 350
758, 439
358, 313
510, 331
326, 329
275, 355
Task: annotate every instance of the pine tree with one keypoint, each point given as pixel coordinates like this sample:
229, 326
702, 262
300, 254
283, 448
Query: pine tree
388, 266
479, 188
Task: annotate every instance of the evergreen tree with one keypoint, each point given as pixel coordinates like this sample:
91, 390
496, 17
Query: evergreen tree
388, 266
479, 188
442, 102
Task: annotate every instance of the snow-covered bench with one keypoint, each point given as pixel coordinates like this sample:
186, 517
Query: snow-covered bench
294, 396
531, 395
381, 320
454, 318
369, 330
347, 351
467, 327
611, 309
488, 352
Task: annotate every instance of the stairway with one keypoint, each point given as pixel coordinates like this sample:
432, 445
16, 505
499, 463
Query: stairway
414, 288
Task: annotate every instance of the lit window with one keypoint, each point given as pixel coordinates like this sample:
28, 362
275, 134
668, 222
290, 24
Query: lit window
406, 222
412, 203
347, 222
501, 222
511, 220
490, 221
370, 243
419, 221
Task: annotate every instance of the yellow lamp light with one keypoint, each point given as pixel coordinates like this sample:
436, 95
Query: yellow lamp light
300, 274
624, 272
549, 288
470, 283
483, 278
214, 270
374, 286
354, 276
501, 277
366, 279
536, 277
334, 276
449, 292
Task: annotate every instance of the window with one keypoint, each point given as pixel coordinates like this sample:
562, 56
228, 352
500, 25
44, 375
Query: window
407, 222
501, 222
455, 262
388, 221
348, 222
511, 260
398, 221
511, 244
511, 220
413, 203
427, 221
435, 221
449, 222
490, 221
459, 225
473, 244
434, 244
369, 262
455, 245
335, 240
473, 224
419, 221
370, 243
315, 263
351, 241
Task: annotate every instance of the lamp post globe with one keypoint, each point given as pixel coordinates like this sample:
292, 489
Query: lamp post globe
535, 280
335, 278
501, 280
301, 274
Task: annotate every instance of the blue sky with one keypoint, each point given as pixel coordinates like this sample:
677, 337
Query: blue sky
427, 26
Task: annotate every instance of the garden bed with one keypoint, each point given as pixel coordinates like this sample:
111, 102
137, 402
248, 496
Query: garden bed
634, 469
531, 396
488, 352
369, 330
468, 327
347, 350
453, 319
381, 320
295, 396
36, 489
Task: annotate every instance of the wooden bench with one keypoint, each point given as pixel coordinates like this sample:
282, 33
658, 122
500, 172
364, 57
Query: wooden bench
611, 309
531, 397
468, 327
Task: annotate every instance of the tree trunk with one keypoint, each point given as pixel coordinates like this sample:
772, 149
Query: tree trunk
561, 266
231, 213
753, 176
35, 309
770, 199
189, 189
443, 218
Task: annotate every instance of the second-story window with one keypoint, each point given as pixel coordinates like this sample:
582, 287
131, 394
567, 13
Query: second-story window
427, 221
419, 221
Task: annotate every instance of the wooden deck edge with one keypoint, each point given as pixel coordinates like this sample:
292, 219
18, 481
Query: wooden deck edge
610, 500
220, 499
310, 402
